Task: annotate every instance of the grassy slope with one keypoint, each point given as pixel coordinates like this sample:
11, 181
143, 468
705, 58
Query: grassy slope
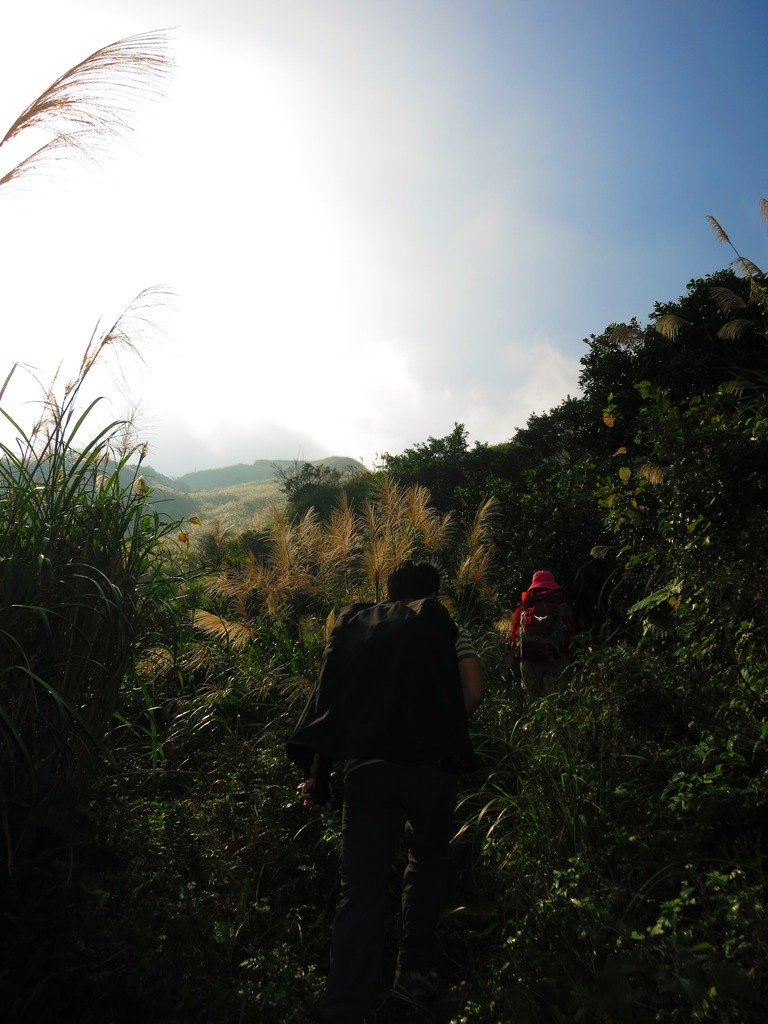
260, 471
230, 496
235, 507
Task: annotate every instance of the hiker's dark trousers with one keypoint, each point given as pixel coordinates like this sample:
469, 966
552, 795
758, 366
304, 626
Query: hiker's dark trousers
379, 800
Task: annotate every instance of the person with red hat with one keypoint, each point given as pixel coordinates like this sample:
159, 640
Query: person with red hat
540, 639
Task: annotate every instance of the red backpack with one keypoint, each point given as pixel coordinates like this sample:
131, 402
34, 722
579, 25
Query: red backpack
541, 630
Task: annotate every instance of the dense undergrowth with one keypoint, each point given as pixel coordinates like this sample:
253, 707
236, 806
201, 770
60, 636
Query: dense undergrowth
609, 863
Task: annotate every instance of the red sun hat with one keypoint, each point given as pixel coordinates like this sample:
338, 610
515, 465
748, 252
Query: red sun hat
544, 580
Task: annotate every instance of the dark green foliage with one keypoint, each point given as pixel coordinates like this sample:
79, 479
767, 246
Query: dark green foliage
84, 578
439, 464
319, 486
629, 816
623, 825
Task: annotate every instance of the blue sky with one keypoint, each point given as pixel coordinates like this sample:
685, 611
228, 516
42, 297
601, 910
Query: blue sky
383, 217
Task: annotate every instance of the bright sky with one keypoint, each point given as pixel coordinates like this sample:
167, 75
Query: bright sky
379, 217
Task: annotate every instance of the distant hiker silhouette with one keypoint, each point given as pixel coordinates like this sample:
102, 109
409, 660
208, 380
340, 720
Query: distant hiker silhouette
540, 639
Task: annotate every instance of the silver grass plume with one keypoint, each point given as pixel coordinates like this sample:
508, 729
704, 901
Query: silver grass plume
627, 336
720, 234
735, 329
652, 472
727, 300
600, 550
94, 102
745, 266
669, 325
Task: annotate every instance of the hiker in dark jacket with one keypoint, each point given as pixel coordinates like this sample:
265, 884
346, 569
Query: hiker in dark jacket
398, 682
540, 639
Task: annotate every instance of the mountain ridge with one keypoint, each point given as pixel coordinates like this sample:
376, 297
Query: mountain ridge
258, 471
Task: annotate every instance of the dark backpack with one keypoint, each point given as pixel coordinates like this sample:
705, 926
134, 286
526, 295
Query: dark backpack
542, 634
389, 688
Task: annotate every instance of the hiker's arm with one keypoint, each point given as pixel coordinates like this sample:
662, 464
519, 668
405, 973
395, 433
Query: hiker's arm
512, 656
471, 683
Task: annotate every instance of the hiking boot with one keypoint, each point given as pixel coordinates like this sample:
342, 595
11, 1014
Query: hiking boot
417, 986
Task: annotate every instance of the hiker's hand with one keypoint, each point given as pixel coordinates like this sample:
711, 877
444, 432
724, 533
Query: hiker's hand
315, 796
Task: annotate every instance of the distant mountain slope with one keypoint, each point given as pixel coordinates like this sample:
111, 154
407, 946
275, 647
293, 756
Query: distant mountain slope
156, 478
255, 472
230, 496
239, 507
232, 508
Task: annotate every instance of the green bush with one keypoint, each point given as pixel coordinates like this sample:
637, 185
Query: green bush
84, 576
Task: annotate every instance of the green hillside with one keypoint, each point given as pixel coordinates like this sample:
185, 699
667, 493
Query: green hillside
230, 496
257, 472
235, 507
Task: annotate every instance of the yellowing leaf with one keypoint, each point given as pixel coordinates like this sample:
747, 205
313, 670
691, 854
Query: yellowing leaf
626, 474
608, 418
620, 451
184, 537
194, 520
674, 603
